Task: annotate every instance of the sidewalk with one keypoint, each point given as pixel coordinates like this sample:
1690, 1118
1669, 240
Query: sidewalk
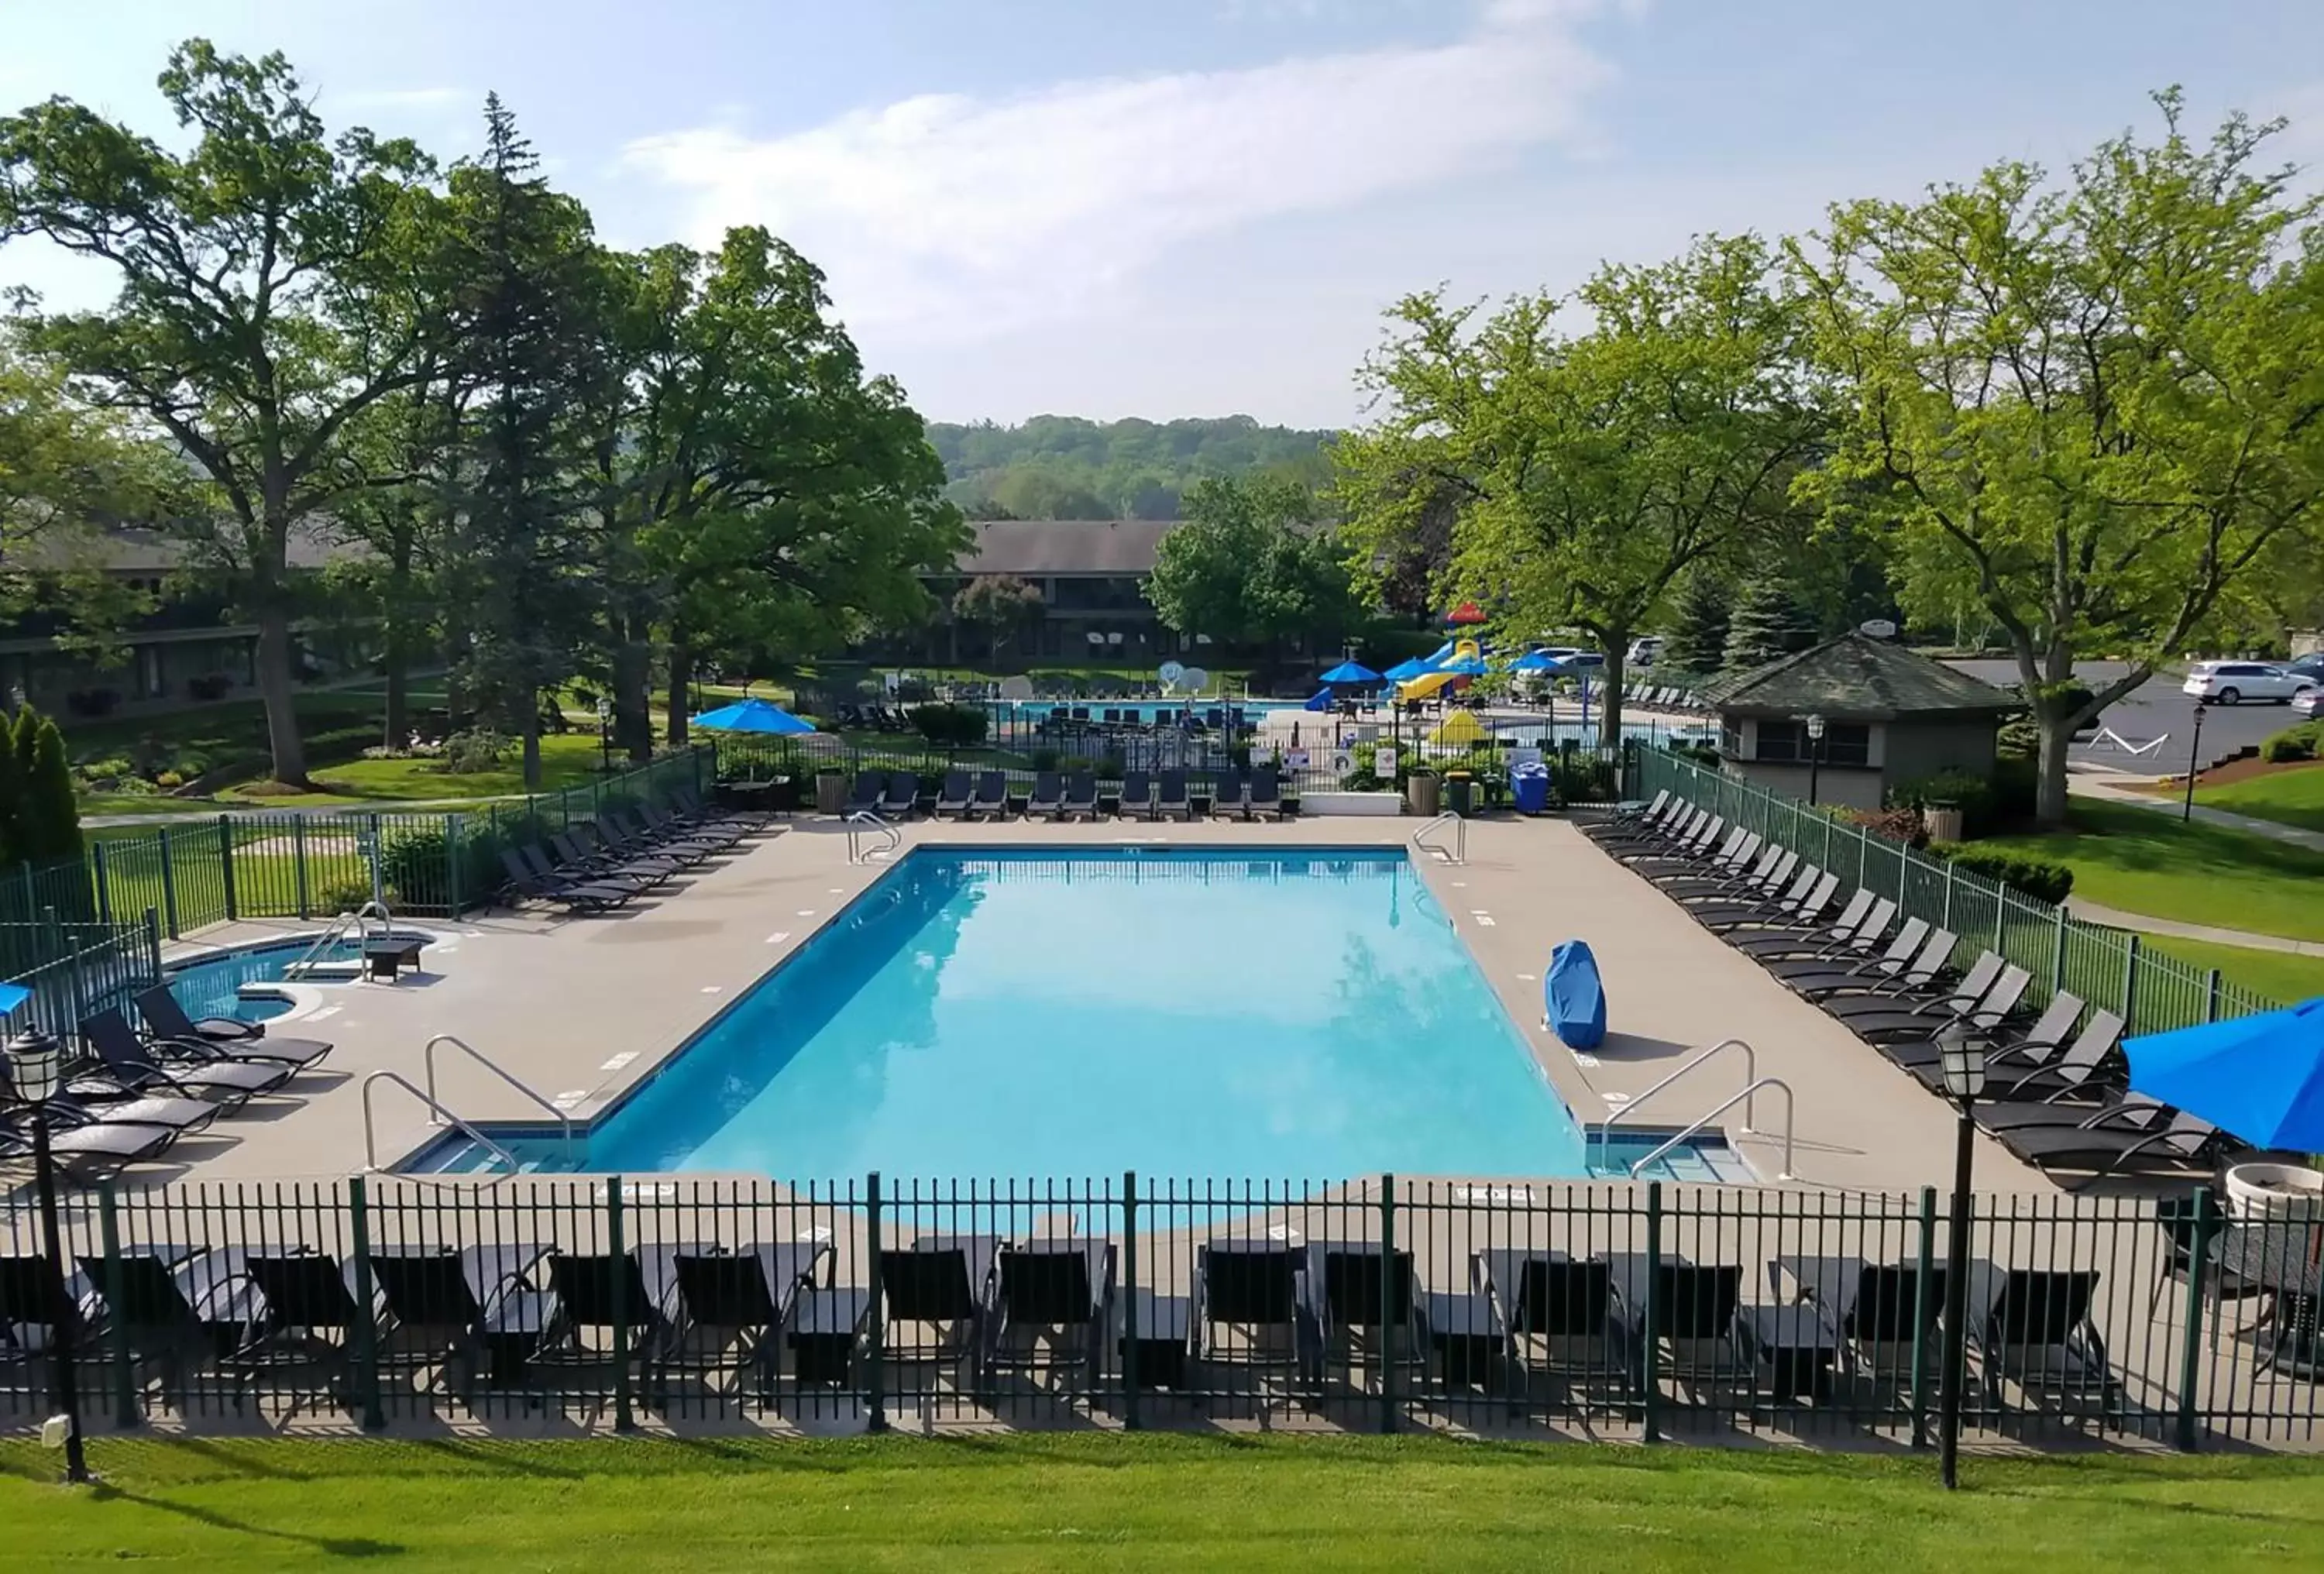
2093, 784
2116, 918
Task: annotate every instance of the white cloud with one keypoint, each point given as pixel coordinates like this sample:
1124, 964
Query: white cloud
945, 216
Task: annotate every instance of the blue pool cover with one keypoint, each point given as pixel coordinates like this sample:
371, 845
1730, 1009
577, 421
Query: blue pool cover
1574, 999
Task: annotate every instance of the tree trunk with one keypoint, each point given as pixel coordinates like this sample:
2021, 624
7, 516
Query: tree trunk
396, 658
274, 689
529, 728
457, 703
681, 679
632, 704
1617, 642
2057, 734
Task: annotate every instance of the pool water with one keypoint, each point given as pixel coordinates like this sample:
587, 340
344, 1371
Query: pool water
212, 987
1068, 1015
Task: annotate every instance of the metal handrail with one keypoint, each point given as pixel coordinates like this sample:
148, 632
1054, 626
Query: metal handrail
371, 1135
1459, 851
337, 931
427, 1060
868, 821
1730, 1103
1605, 1127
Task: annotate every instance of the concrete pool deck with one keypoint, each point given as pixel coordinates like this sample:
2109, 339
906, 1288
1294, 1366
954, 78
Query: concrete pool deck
581, 1008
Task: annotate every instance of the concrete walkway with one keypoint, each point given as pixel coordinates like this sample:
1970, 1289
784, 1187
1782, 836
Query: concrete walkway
2081, 908
2110, 786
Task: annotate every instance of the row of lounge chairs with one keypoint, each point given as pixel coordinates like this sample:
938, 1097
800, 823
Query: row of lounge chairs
594, 866
895, 795
747, 1319
2057, 1089
135, 1095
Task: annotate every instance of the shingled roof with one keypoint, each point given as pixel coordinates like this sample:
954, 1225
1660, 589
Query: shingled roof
1034, 547
1858, 679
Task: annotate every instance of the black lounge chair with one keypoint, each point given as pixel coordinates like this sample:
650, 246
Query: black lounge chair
1899, 961
2005, 1056
593, 1296
1696, 1308
2033, 1326
1264, 801
573, 895
308, 1327
1047, 800
1553, 1315
2128, 1113
1174, 801
1255, 1307
86, 1154
903, 795
1627, 822
1853, 935
165, 1015
1923, 1013
2103, 1145
1370, 1305
1137, 801
168, 1022
1804, 902
1231, 797
1052, 1306
179, 1117
937, 1301
729, 1309
954, 797
708, 828
992, 795
865, 796
130, 1065
1080, 802
598, 864
438, 1303
617, 842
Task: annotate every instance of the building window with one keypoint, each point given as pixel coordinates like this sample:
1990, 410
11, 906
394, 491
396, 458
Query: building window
1782, 743
1731, 737
1847, 743
1787, 743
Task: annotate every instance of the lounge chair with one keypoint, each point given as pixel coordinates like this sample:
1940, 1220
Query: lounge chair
592, 1295
573, 895
1853, 934
1174, 802
1628, 824
954, 796
1265, 799
1695, 1311
2106, 1143
1962, 1003
2034, 1326
1803, 902
1370, 1305
1814, 976
68, 1111
865, 796
308, 1327
2037, 1047
2127, 1112
1080, 802
598, 863
131, 1067
1254, 1308
728, 1309
936, 1305
1744, 862
1553, 1315
621, 840
86, 1154
903, 795
698, 824
1882, 1310
990, 797
1047, 800
437, 1304
165, 1015
169, 1021
1137, 802
1053, 1305
1231, 796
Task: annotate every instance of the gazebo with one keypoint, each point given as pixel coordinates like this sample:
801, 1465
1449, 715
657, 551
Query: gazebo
1843, 722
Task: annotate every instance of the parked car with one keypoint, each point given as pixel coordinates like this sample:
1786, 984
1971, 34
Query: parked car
2308, 666
2309, 702
2229, 683
1644, 652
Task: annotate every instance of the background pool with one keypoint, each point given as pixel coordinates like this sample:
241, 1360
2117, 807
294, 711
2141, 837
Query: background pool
1179, 1013
211, 987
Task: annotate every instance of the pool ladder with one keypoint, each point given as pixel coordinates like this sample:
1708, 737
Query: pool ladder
1752, 1084
863, 825
340, 925
1456, 853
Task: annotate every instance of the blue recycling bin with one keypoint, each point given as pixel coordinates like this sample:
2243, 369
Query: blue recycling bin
1529, 785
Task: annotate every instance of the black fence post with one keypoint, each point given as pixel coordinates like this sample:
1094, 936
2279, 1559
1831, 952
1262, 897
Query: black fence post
2190, 1344
1920, 1318
2130, 982
169, 887
451, 865
1129, 1419
298, 862
124, 1397
1391, 1313
1649, 1362
226, 865
875, 1335
103, 885
619, 1251
365, 1331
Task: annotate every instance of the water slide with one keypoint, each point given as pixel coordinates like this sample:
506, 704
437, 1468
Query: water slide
1428, 683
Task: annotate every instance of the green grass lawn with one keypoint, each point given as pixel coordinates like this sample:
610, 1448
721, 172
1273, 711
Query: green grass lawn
2291, 798
156, 805
567, 759
2142, 861
2276, 974
1151, 1502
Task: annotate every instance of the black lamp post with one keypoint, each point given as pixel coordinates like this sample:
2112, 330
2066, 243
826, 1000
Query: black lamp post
1963, 1060
2194, 755
1815, 755
36, 1068
604, 736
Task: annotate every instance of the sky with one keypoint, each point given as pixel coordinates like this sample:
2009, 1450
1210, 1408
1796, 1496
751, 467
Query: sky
1176, 207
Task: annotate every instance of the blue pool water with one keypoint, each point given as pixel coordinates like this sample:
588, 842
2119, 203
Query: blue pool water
1047, 1014
212, 987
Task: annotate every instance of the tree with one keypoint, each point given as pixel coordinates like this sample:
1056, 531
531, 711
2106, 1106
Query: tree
1696, 641
1251, 565
268, 297
2091, 410
999, 603
47, 816
1768, 621
1592, 470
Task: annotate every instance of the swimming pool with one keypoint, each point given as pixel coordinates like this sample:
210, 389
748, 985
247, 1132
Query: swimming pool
1068, 1013
212, 985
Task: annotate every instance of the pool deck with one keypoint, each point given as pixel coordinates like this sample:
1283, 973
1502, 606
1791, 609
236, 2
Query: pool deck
582, 1009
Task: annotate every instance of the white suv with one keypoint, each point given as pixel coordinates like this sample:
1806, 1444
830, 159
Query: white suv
1643, 652
2229, 683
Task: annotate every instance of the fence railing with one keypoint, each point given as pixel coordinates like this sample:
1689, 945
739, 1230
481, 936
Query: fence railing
1638, 1311
87, 968
2110, 968
297, 864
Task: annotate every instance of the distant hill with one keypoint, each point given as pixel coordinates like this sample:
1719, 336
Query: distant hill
1063, 467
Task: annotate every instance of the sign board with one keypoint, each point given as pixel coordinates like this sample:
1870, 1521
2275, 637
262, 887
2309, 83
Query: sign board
1877, 628
1343, 762
1297, 760
1384, 761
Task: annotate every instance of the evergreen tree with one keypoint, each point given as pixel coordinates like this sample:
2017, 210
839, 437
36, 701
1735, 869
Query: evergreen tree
1767, 621
12, 792
48, 818
1696, 643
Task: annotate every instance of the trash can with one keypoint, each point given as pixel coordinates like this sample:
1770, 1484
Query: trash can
1461, 793
830, 792
1420, 791
1530, 785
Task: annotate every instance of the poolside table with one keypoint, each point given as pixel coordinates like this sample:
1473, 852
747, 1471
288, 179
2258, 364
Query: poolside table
384, 958
825, 1326
2287, 1262
1164, 1322
1801, 1347
1461, 1333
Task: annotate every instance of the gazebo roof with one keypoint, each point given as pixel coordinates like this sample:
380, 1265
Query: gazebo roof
1856, 677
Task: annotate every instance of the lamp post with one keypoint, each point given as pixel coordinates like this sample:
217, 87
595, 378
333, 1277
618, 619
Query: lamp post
36, 1067
2194, 755
604, 736
1962, 1058
1815, 755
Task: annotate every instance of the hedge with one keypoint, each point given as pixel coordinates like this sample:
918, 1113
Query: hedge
2038, 878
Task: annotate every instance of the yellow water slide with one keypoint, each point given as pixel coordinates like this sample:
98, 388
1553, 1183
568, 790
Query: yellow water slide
1428, 683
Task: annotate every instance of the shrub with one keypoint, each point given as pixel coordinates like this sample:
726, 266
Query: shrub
1899, 823
344, 896
2038, 878
2293, 743
478, 749
113, 767
963, 726
1972, 796
1701, 754
411, 864
169, 781
1044, 759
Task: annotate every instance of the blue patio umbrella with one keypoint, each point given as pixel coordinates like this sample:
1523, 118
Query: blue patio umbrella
12, 996
1535, 661
1406, 671
1350, 675
753, 716
2260, 1077
1320, 700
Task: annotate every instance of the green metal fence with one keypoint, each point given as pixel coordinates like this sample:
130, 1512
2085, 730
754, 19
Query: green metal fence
297, 864
1376, 1303
2151, 992
86, 967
